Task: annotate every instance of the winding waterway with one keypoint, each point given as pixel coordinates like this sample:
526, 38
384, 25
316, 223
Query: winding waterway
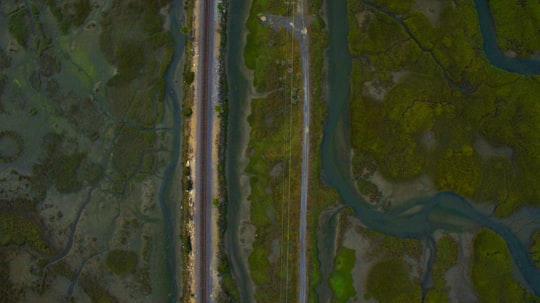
417, 218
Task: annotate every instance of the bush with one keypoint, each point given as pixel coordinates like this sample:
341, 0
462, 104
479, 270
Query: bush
388, 281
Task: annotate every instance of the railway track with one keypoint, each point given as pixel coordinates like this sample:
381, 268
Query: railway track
204, 155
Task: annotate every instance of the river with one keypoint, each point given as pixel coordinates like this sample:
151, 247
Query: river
445, 210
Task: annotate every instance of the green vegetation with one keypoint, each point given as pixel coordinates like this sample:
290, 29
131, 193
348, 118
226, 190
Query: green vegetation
129, 150
5, 60
20, 225
391, 247
411, 78
71, 13
274, 149
389, 281
141, 57
25, 27
492, 273
121, 262
535, 247
8, 294
58, 168
187, 111
447, 251
341, 281
96, 292
18, 26
520, 37
263, 44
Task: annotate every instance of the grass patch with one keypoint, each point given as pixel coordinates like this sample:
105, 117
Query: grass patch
71, 13
341, 280
275, 152
19, 26
59, 167
95, 291
129, 150
20, 225
491, 271
389, 281
391, 247
121, 262
140, 50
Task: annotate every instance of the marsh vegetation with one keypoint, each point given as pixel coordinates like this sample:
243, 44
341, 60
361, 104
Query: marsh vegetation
84, 138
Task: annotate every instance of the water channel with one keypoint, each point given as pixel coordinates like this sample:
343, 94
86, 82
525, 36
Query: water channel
238, 128
417, 218
167, 200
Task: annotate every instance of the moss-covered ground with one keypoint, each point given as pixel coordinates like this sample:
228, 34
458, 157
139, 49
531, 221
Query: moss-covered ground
412, 80
492, 271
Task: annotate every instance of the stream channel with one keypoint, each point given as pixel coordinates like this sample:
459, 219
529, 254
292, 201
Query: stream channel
166, 197
418, 218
